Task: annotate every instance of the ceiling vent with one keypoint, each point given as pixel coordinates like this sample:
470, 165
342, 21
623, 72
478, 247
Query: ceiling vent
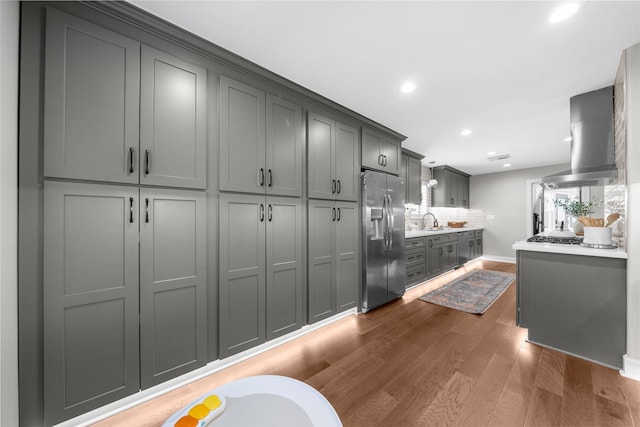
499, 157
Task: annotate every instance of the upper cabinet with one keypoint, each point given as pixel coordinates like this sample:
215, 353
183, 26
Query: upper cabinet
412, 173
116, 113
380, 152
261, 141
332, 159
172, 121
452, 189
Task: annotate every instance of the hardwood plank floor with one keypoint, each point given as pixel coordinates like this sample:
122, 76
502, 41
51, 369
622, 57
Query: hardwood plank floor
411, 363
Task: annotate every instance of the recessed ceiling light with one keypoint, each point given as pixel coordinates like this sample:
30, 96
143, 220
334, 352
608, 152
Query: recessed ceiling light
492, 153
568, 139
465, 132
563, 12
408, 87
506, 165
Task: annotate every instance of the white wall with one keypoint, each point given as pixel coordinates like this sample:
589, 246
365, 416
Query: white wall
9, 32
503, 195
632, 358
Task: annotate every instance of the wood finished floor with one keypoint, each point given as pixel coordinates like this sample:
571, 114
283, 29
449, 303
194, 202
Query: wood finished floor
412, 363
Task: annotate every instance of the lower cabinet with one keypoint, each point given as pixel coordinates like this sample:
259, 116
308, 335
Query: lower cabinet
261, 269
334, 250
416, 262
124, 292
443, 253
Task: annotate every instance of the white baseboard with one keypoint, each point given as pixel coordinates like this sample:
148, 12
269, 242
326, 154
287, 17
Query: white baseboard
113, 408
631, 367
510, 260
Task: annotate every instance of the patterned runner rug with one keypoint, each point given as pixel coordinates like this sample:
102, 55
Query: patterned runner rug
474, 292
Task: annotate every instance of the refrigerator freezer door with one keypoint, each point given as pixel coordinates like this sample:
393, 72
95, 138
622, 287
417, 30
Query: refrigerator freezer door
396, 272
374, 234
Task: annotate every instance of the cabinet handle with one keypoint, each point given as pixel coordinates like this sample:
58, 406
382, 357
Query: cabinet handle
451, 201
261, 212
333, 186
146, 162
270, 214
380, 159
470, 243
449, 249
261, 183
270, 178
430, 243
384, 159
339, 214
339, 187
130, 209
333, 214
131, 156
441, 251
146, 210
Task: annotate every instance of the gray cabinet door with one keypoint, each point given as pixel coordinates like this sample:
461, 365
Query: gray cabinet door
284, 147
242, 137
322, 263
242, 272
90, 291
91, 117
392, 153
346, 160
321, 164
371, 155
284, 264
347, 255
173, 294
463, 191
414, 181
172, 121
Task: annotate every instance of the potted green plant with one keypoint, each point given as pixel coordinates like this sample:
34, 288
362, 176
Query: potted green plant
575, 208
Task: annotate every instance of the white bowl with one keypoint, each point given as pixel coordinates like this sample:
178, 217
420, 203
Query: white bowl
597, 235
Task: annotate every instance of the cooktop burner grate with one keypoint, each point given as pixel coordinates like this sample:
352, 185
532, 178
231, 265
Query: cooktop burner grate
561, 240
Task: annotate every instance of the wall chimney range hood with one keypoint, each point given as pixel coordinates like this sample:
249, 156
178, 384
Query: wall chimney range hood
592, 147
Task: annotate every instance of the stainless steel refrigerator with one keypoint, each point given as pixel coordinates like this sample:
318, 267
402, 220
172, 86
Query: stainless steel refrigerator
383, 258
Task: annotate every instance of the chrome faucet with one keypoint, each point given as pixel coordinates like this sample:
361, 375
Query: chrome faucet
435, 220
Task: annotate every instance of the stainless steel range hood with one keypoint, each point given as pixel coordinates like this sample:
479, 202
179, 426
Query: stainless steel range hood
592, 148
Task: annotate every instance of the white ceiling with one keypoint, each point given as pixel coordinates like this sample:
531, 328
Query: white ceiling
498, 68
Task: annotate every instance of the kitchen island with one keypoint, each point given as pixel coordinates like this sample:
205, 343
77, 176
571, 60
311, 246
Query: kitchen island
573, 299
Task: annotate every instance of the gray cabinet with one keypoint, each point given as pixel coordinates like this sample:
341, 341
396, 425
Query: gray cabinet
411, 171
92, 84
124, 270
173, 291
260, 269
90, 284
452, 189
416, 260
442, 253
380, 152
173, 122
333, 153
118, 111
333, 258
261, 141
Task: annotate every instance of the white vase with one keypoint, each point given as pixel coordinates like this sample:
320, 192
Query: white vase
578, 228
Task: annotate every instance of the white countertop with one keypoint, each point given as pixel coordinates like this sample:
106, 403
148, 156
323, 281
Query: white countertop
560, 248
408, 234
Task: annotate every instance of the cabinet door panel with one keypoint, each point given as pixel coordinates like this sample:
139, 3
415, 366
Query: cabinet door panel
371, 143
347, 254
85, 302
284, 147
172, 284
393, 157
173, 121
321, 260
414, 181
242, 272
321, 136
92, 79
242, 137
284, 266
347, 168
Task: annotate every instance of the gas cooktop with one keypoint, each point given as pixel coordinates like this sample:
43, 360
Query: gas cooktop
561, 240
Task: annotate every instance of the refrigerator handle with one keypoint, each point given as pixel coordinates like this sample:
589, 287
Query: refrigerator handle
385, 212
392, 220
